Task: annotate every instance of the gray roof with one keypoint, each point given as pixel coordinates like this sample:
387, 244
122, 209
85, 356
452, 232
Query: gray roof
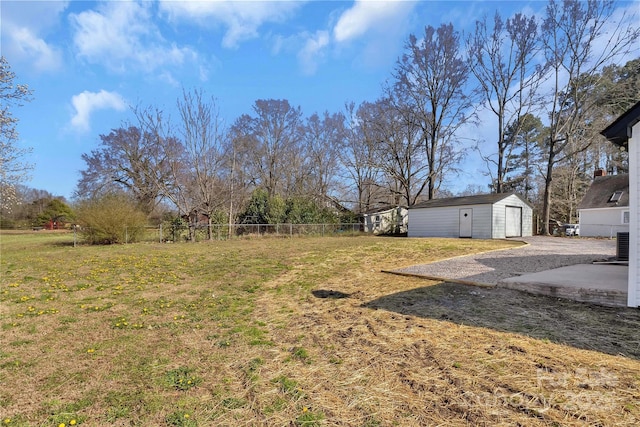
482, 199
601, 190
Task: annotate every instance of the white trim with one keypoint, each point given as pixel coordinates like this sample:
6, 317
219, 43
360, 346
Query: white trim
634, 202
604, 209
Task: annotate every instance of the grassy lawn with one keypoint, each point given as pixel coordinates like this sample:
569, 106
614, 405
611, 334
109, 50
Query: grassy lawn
296, 332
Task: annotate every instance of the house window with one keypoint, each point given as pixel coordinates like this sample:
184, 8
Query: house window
625, 217
615, 197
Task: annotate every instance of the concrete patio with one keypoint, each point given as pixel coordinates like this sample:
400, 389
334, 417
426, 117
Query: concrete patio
572, 268
603, 284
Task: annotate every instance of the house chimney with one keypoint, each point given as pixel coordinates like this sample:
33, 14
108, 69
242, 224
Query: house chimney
599, 172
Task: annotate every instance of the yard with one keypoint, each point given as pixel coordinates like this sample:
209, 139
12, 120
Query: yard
296, 332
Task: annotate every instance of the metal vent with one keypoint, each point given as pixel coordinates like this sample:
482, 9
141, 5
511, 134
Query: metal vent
622, 246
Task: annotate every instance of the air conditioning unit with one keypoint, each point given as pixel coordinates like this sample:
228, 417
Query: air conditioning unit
622, 246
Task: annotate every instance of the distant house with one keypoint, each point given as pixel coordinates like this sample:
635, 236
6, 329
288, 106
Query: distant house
625, 132
487, 216
385, 220
604, 209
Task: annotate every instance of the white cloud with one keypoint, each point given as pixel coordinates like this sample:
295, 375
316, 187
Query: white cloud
366, 16
241, 18
24, 30
123, 34
87, 102
27, 46
312, 52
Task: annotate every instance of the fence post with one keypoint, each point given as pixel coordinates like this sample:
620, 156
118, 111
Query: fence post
126, 235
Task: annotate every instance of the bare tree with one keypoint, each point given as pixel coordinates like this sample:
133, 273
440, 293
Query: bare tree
128, 159
272, 141
323, 137
202, 136
502, 60
176, 181
358, 160
571, 32
399, 150
431, 75
13, 167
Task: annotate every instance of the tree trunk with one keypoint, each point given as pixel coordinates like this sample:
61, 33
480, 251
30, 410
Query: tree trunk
546, 207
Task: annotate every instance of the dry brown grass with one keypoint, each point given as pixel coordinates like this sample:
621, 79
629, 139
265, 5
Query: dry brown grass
303, 331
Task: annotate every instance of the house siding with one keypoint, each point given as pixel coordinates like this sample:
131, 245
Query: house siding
391, 221
445, 221
500, 218
602, 222
634, 219
488, 220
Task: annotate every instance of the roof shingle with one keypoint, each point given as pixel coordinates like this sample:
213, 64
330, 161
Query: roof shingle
601, 190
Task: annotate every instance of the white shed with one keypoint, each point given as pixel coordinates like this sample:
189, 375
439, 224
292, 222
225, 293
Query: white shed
625, 132
487, 216
385, 220
604, 209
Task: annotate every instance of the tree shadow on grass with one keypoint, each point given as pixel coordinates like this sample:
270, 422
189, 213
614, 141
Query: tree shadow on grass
581, 325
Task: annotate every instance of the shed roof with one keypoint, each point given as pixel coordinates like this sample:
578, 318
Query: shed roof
601, 190
482, 199
618, 132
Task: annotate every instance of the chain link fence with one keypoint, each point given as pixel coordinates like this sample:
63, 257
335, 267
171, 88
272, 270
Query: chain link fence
181, 233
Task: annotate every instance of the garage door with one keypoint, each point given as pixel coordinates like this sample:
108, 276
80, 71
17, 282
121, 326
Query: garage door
513, 221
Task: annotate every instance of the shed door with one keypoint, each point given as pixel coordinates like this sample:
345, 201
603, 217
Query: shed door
466, 222
513, 221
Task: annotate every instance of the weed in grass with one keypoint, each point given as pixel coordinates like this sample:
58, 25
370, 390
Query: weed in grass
254, 364
371, 422
309, 418
224, 343
181, 419
64, 419
120, 404
123, 323
182, 378
233, 403
289, 387
335, 360
251, 371
19, 343
301, 354
117, 412
15, 364
278, 405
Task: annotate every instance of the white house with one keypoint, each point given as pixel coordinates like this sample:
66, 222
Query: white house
604, 209
385, 220
487, 216
625, 132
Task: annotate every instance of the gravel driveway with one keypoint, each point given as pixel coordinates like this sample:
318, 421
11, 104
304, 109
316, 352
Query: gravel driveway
542, 253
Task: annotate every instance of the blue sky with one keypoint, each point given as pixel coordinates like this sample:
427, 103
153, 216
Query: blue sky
88, 62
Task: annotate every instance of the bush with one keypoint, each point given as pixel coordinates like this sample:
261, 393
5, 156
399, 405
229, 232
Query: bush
112, 218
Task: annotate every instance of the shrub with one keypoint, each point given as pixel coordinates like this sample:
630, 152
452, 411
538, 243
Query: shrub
112, 218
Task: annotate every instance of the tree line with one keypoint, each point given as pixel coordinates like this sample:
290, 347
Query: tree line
552, 83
